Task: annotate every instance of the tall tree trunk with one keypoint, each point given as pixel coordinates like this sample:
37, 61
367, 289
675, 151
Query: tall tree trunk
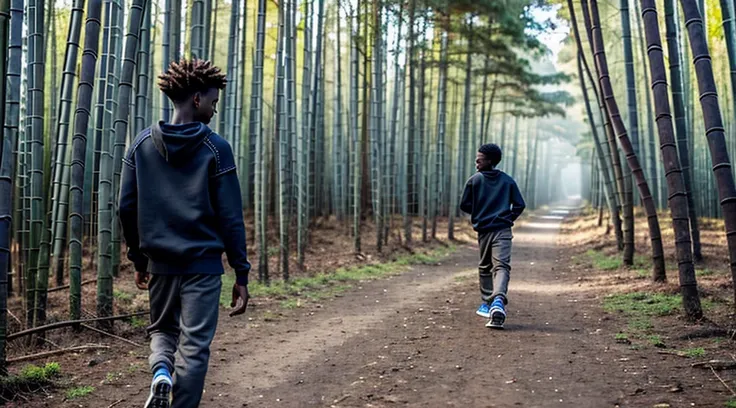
61, 174
166, 47
603, 161
634, 127
11, 130
411, 137
675, 182
197, 40
421, 162
303, 143
678, 102
338, 145
314, 128
36, 86
281, 115
143, 78
7, 147
355, 133
121, 130
653, 167
257, 131
604, 148
713, 125
376, 123
633, 161
79, 149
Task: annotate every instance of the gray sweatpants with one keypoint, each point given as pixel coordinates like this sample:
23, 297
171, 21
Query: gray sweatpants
184, 311
495, 264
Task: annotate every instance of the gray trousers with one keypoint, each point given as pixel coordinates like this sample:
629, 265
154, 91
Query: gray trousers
495, 264
184, 311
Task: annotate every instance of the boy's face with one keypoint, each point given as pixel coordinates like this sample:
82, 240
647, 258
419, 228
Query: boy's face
482, 163
205, 105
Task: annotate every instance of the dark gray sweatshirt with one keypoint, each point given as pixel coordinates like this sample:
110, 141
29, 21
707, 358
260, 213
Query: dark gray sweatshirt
180, 203
493, 201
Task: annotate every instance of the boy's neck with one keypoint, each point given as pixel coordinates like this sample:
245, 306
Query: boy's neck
181, 117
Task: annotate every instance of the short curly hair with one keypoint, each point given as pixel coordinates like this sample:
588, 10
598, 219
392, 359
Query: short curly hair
186, 77
492, 153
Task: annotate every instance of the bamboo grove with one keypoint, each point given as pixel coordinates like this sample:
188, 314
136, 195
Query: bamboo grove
364, 113
664, 97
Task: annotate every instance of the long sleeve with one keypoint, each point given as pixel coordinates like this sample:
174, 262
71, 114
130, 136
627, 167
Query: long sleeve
466, 203
229, 208
128, 213
517, 202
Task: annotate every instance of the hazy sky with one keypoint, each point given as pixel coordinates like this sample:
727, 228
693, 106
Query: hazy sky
553, 39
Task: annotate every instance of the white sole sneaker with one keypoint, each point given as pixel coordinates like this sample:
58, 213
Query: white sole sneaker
160, 396
481, 314
498, 317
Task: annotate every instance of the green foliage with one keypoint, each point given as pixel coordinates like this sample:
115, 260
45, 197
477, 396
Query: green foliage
642, 273
622, 336
705, 272
38, 374
323, 285
30, 378
122, 295
695, 352
655, 341
638, 304
78, 392
730, 403
138, 322
640, 324
602, 261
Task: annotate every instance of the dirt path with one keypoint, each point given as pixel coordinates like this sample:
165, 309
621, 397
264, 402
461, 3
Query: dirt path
414, 340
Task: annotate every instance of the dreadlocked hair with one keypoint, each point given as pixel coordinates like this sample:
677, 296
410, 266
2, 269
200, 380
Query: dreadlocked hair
187, 77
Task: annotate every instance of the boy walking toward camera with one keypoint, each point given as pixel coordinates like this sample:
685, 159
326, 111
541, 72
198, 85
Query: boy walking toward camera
180, 209
494, 202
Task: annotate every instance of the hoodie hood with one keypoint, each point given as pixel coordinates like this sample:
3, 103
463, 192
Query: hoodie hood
177, 143
492, 174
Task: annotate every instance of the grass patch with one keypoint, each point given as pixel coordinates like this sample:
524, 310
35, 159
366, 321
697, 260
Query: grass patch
695, 352
79, 392
655, 341
291, 303
705, 272
639, 304
122, 295
643, 262
602, 261
35, 373
730, 403
29, 380
622, 336
138, 322
642, 273
324, 285
642, 324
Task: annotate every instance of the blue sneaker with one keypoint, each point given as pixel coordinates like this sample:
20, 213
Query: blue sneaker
498, 314
161, 386
484, 310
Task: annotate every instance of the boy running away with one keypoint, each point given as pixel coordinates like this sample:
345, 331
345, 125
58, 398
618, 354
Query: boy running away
180, 209
494, 202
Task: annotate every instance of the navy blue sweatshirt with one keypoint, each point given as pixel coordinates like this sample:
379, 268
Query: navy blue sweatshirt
493, 201
180, 204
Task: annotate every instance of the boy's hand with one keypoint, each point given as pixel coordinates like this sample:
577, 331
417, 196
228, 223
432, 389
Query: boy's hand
240, 299
141, 280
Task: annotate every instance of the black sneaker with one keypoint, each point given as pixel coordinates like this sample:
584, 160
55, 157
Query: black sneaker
161, 386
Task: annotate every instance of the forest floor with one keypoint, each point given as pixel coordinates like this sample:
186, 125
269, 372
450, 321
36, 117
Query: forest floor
582, 331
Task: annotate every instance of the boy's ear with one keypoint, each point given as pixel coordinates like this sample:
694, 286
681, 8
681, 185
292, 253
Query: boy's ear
196, 99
